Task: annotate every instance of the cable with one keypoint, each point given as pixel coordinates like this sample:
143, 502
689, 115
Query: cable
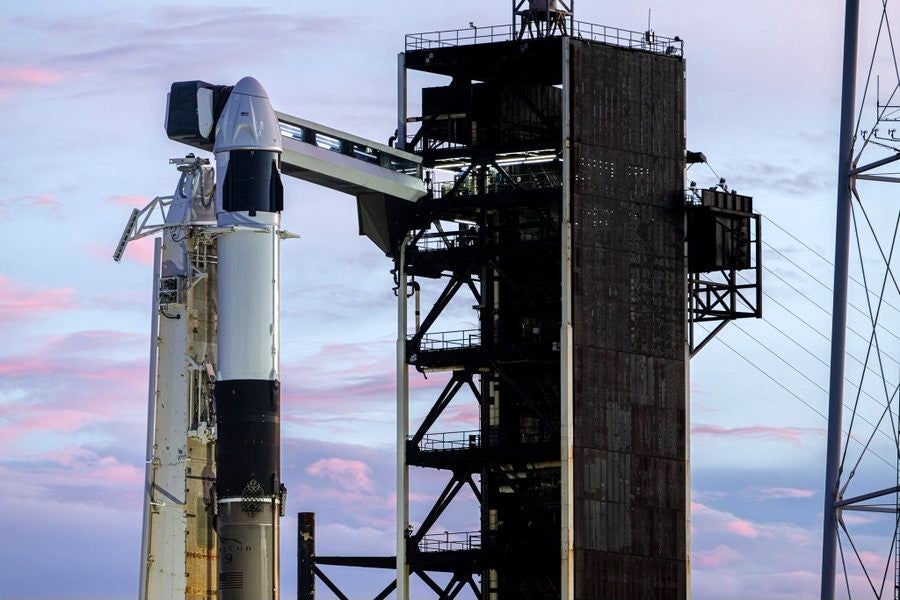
802, 243
822, 308
807, 323
801, 400
819, 281
813, 355
809, 379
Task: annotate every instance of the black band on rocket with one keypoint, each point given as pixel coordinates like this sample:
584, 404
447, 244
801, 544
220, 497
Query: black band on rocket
252, 182
249, 438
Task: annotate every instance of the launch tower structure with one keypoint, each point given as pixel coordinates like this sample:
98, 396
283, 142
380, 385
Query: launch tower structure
557, 210
553, 197
568, 155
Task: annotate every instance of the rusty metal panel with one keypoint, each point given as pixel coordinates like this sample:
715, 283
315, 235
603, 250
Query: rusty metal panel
629, 324
201, 541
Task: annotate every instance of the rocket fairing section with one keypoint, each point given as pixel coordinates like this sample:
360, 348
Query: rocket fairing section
249, 492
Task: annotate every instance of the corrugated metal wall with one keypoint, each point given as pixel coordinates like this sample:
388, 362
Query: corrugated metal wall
631, 533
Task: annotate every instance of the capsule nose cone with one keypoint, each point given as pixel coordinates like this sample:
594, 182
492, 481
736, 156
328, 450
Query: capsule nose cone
249, 86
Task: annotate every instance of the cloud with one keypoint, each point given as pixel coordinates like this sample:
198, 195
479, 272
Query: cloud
781, 493
20, 301
717, 557
14, 80
792, 435
162, 42
742, 528
351, 475
130, 201
735, 556
140, 251
10, 207
76, 388
757, 176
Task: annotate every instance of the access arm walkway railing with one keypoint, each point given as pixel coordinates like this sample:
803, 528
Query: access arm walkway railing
347, 163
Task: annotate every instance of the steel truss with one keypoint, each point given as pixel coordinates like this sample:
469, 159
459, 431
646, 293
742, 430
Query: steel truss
857, 452
501, 254
725, 263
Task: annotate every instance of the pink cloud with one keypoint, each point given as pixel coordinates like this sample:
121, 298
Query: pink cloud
110, 470
78, 465
28, 77
23, 366
130, 200
742, 528
717, 557
351, 475
467, 415
779, 493
70, 387
16, 80
140, 251
792, 435
21, 301
10, 206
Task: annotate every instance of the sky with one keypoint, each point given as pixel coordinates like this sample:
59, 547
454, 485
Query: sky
82, 95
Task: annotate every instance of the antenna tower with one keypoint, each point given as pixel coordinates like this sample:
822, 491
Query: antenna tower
861, 556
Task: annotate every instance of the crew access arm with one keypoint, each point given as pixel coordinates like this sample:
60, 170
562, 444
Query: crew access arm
386, 181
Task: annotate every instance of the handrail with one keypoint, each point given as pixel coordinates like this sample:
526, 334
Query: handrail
450, 541
646, 40
450, 340
450, 440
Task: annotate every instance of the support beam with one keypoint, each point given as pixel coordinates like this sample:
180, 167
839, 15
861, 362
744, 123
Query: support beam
566, 374
306, 555
402, 428
839, 309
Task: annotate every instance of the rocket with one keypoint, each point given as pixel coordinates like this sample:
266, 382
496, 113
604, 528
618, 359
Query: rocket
249, 495
240, 291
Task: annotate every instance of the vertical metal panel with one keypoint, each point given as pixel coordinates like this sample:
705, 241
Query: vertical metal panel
401, 101
402, 428
151, 424
630, 425
567, 417
306, 554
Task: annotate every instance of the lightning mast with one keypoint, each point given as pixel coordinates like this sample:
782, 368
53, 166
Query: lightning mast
855, 465
839, 311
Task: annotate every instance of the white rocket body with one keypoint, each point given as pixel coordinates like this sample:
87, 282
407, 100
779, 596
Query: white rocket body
248, 203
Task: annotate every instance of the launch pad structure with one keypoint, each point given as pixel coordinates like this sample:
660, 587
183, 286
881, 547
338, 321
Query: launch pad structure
564, 223
553, 156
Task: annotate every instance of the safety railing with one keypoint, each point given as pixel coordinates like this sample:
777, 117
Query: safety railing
450, 440
450, 340
646, 40
449, 541
348, 147
459, 37
432, 242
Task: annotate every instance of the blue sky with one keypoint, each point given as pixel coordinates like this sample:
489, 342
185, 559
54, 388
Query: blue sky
82, 93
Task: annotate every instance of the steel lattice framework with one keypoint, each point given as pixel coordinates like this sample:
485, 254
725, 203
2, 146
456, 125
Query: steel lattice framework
861, 554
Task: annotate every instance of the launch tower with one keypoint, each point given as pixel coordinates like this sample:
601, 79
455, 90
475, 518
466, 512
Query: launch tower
568, 157
557, 210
